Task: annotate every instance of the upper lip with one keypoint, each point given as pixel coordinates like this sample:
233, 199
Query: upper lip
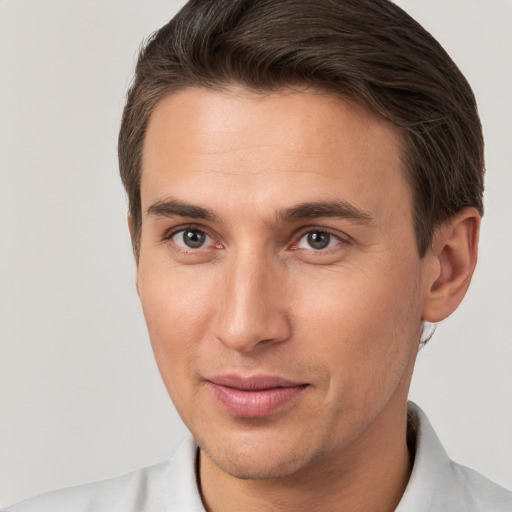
254, 382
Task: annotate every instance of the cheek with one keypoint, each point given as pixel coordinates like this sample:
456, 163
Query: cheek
354, 302
174, 298
361, 329
176, 313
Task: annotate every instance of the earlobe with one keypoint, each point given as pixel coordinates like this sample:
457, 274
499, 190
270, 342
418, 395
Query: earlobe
453, 255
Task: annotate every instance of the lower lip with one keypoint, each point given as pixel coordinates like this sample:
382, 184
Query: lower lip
255, 403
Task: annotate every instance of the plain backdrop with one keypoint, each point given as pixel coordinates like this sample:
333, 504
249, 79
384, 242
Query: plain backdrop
80, 395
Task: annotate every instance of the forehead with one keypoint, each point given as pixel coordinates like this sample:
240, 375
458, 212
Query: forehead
283, 146
284, 116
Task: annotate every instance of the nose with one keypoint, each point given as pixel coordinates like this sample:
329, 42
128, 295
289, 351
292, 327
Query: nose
251, 309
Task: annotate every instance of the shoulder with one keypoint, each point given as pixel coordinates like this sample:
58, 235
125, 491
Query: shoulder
138, 490
167, 486
479, 493
438, 483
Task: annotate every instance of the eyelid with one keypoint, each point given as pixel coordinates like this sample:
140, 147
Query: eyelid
171, 232
342, 237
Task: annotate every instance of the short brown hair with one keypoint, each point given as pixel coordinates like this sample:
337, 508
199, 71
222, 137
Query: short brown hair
369, 51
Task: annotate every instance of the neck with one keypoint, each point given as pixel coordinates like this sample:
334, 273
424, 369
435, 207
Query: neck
370, 474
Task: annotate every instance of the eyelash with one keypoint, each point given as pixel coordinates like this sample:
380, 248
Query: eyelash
189, 227
341, 237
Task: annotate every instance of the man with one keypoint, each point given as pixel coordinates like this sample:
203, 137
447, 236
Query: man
305, 183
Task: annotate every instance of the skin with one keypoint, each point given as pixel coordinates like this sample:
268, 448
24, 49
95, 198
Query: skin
257, 298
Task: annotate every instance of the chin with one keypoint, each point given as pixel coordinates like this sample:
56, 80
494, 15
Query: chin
261, 466
259, 457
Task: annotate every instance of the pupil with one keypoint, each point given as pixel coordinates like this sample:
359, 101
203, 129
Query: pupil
193, 238
319, 240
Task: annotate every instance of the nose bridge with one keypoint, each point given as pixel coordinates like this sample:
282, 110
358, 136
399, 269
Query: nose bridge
250, 308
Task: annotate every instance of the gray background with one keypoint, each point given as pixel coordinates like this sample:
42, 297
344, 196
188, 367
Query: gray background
80, 396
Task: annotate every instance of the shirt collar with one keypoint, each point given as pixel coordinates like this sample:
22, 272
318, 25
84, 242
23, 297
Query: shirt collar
181, 490
430, 481
431, 477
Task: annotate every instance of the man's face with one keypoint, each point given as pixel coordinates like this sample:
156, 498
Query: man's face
278, 275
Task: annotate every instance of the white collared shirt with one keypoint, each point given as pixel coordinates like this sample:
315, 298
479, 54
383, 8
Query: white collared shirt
436, 484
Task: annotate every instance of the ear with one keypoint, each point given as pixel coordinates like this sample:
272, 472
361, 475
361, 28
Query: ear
452, 260
131, 228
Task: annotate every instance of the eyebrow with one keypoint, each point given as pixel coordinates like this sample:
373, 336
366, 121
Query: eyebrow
176, 208
302, 211
333, 209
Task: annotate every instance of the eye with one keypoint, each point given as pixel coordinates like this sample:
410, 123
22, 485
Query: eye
317, 240
191, 238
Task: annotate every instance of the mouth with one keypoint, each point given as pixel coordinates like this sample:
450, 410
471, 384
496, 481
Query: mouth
254, 397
